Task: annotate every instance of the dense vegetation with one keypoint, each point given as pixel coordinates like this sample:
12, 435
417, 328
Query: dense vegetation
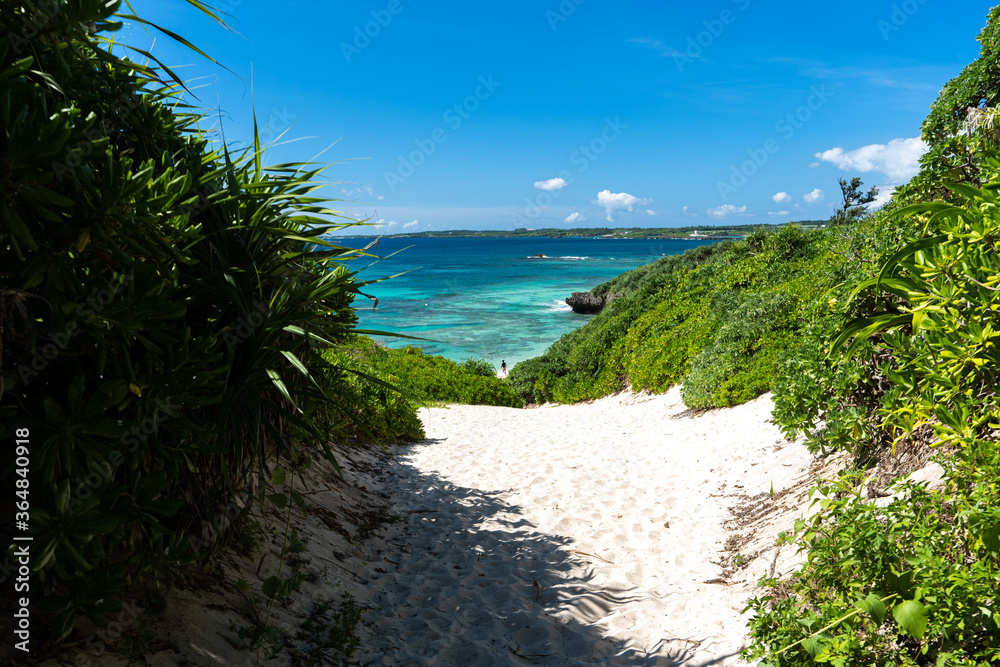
907, 354
175, 327
719, 318
424, 378
915, 582
163, 305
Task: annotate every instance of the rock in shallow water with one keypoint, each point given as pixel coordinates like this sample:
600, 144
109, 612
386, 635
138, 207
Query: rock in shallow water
586, 303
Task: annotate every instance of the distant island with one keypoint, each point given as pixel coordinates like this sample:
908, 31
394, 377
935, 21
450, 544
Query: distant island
701, 232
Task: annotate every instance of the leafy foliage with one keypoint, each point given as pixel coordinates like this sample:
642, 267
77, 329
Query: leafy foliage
921, 330
161, 305
425, 379
914, 583
480, 367
370, 405
828, 398
960, 128
741, 362
718, 318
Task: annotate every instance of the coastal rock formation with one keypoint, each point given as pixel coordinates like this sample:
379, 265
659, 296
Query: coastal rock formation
586, 303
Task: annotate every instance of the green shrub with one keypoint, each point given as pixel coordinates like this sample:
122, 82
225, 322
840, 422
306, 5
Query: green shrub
916, 582
719, 318
740, 363
161, 302
368, 407
831, 399
480, 367
426, 379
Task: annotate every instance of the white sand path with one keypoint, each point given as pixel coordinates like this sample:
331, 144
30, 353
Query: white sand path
574, 535
589, 534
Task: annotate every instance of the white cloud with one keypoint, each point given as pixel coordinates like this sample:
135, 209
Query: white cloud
814, 196
689, 215
357, 191
776, 213
726, 210
782, 197
650, 212
885, 193
899, 159
661, 48
813, 165
614, 202
574, 217
410, 224
551, 184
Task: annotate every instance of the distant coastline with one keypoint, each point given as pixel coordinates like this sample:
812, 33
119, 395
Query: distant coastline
698, 233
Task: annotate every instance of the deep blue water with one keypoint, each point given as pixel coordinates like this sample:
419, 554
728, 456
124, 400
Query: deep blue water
483, 297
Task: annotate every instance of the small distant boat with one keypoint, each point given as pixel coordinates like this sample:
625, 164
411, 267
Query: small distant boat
539, 256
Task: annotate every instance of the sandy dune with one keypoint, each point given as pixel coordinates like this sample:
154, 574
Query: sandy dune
593, 534
587, 534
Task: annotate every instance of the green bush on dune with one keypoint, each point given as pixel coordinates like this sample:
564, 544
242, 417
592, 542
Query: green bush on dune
741, 361
916, 582
161, 305
480, 367
905, 353
428, 379
719, 319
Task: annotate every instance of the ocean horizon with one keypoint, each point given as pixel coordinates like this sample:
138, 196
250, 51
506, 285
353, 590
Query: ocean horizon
490, 298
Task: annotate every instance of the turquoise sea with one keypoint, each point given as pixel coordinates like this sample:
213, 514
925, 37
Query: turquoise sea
489, 298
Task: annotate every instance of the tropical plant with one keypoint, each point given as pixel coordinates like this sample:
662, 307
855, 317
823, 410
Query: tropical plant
480, 367
914, 582
161, 305
960, 129
428, 379
717, 318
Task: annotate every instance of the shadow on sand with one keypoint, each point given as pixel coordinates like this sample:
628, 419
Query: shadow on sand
474, 583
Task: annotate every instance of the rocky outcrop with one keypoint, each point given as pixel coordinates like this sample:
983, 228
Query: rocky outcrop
586, 303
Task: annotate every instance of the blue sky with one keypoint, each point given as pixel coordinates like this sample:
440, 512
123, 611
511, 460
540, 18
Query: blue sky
497, 115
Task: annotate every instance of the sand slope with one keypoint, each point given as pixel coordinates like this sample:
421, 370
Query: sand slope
583, 534
592, 534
